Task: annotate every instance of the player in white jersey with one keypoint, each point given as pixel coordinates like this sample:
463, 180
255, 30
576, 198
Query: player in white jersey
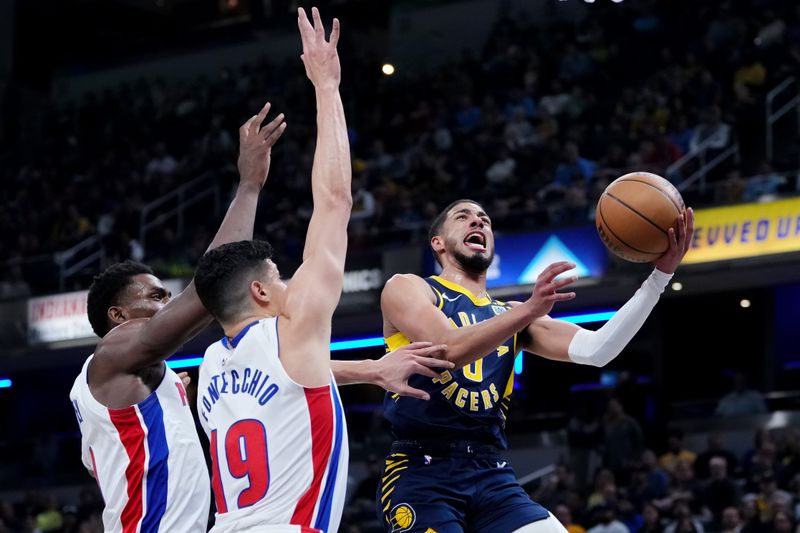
266, 395
138, 435
278, 449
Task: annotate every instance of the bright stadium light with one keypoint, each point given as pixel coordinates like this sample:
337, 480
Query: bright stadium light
676, 286
745, 303
388, 69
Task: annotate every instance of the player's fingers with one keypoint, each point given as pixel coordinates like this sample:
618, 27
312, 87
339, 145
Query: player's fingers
563, 282
429, 350
424, 371
552, 271
271, 126
689, 229
244, 129
433, 362
418, 345
185, 378
306, 30
561, 296
256, 124
275, 135
318, 27
681, 229
335, 32
413, 393
673, 242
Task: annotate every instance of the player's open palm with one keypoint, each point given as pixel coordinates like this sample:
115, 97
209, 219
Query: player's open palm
319, 56
680, 240
545, 292
423, 358
255, 146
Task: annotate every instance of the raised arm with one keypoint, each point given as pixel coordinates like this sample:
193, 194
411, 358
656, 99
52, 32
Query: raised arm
562, 341
143, 342
408, 306
314, 291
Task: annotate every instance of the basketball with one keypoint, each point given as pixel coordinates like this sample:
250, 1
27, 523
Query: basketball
634, 215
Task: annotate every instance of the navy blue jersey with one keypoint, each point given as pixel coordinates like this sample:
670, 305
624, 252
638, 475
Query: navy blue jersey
469, 403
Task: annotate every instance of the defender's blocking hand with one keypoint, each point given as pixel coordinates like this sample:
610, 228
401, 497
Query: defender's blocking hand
319, 56
255, 146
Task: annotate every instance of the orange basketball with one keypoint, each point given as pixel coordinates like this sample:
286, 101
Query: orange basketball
634, 215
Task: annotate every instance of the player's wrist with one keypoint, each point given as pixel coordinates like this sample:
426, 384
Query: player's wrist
371, 372
248, 186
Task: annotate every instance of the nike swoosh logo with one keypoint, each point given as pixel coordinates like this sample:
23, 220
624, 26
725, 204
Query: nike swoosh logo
451, 299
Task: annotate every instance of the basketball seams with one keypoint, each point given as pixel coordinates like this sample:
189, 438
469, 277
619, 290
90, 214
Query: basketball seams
610, 230
680, 208
634, 210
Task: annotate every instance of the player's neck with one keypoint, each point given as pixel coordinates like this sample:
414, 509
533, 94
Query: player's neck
475, 283
234, 328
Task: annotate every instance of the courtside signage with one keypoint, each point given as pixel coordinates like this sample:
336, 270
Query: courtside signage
519, 259
62, 317
58, 317
748, 230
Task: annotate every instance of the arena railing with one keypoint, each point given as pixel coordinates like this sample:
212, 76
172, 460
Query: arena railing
785, 88
156, 214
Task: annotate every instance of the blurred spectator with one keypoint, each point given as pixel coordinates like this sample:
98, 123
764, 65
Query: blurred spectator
675, 451
623, 440
608, 522
715, 448
769, 497
741, 400
731, 520
648, 481
583, 437
782, 522
683, 521
564, 516
574, 169
720, 492
651, 518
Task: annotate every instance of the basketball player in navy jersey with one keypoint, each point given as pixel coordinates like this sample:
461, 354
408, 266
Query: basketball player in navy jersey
445, 472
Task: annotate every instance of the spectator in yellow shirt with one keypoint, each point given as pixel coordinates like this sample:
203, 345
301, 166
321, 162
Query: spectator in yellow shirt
676, 452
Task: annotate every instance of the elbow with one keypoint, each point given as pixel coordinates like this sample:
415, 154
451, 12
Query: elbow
339, 199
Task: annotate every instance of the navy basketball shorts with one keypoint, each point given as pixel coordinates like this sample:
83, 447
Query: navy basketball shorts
468, 488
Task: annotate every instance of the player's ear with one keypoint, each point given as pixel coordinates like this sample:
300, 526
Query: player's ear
437, 243
117, 314
259, 292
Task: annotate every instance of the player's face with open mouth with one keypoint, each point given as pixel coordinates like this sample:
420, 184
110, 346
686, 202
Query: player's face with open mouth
469, 236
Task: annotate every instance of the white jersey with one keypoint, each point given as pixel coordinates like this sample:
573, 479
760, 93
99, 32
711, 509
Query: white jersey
278, 450
146, 458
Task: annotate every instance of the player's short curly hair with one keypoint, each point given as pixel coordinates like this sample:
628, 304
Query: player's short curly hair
106, 290
223, 274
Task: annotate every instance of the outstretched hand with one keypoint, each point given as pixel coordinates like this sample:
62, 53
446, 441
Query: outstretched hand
396, 367
319, 56
545, 292
255, 146
680, 240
